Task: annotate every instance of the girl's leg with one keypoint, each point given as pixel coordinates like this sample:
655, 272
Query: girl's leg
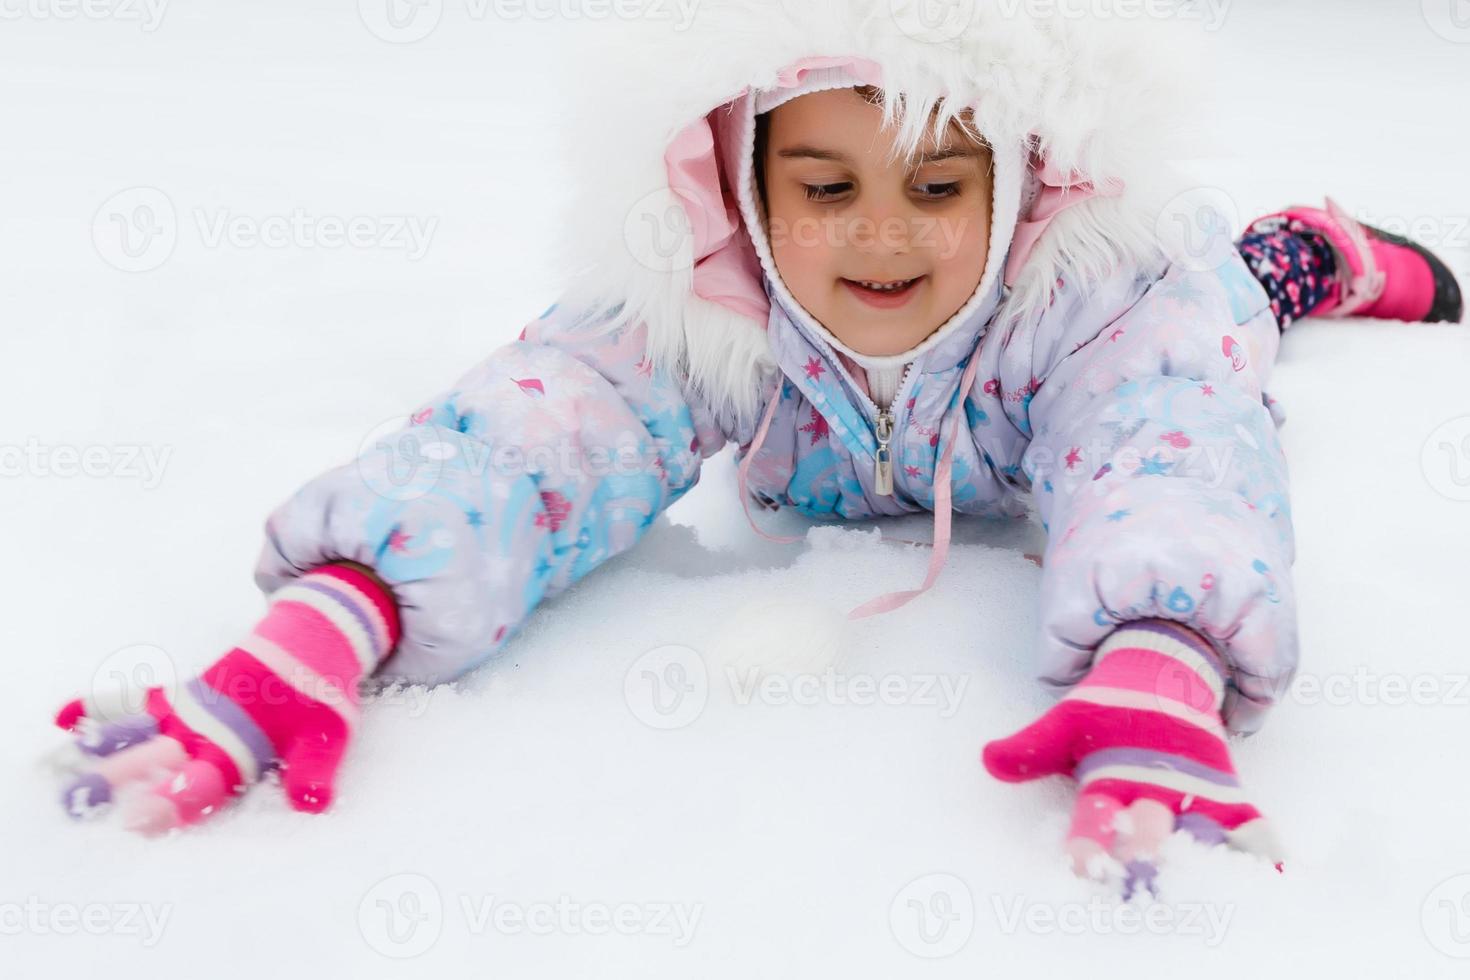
286, 697
1295, 266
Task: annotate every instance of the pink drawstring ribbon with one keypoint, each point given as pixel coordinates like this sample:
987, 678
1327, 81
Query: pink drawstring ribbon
943, 499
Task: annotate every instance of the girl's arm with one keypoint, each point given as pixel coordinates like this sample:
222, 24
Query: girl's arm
548, 458
416, 561
1167, 611
1158, 472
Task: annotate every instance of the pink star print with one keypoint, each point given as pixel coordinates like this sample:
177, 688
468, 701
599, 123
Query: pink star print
1073, 457
814, 368
398, 541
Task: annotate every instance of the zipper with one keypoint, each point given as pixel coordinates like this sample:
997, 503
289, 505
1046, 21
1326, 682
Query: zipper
883, 432
883, 458
883, 419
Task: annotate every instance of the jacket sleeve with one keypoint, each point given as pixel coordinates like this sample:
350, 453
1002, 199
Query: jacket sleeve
548, 458
1157, 470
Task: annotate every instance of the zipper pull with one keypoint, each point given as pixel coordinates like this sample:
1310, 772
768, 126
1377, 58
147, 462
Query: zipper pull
883, 459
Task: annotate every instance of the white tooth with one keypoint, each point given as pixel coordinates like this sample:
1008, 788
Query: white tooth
880, 287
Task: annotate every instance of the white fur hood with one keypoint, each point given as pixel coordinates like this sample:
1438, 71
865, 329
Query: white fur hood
1104, 100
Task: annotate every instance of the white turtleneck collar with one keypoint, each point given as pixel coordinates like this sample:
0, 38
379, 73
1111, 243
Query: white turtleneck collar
883, 384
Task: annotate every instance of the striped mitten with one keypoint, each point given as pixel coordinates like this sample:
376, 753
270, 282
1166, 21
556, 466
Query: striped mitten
1143, 737
287, 696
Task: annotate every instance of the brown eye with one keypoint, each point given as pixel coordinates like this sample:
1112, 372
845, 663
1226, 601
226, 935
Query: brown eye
937, 191
823, 192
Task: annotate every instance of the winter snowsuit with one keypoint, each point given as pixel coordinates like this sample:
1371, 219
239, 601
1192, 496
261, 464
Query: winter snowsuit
1117, 383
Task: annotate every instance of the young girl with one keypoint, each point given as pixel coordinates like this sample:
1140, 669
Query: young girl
898, 271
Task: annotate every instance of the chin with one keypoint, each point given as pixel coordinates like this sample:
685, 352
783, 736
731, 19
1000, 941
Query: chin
882, 342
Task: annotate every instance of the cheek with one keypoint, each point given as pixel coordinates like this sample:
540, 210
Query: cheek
962, 247
802, 257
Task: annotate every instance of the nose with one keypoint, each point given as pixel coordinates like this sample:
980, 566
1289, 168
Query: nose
886, 227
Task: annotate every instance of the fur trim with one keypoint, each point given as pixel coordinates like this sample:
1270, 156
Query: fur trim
1106, 98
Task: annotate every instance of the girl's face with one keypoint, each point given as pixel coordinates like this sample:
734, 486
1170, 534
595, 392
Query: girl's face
841, 219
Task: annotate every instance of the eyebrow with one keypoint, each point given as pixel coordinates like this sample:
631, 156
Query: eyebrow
803, 150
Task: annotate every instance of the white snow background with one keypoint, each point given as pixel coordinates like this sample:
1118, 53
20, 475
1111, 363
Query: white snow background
827, 839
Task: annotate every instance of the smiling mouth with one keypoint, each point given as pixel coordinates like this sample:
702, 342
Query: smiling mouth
884, 294
884, 286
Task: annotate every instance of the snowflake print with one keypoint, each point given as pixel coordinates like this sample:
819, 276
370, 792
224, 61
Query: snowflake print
817, 427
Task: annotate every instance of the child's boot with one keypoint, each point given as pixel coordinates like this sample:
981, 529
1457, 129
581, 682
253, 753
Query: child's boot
1338, 266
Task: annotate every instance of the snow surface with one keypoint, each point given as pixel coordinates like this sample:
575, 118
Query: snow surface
806, 839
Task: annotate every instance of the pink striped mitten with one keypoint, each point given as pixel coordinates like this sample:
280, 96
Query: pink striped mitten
286, 697
1143, 737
